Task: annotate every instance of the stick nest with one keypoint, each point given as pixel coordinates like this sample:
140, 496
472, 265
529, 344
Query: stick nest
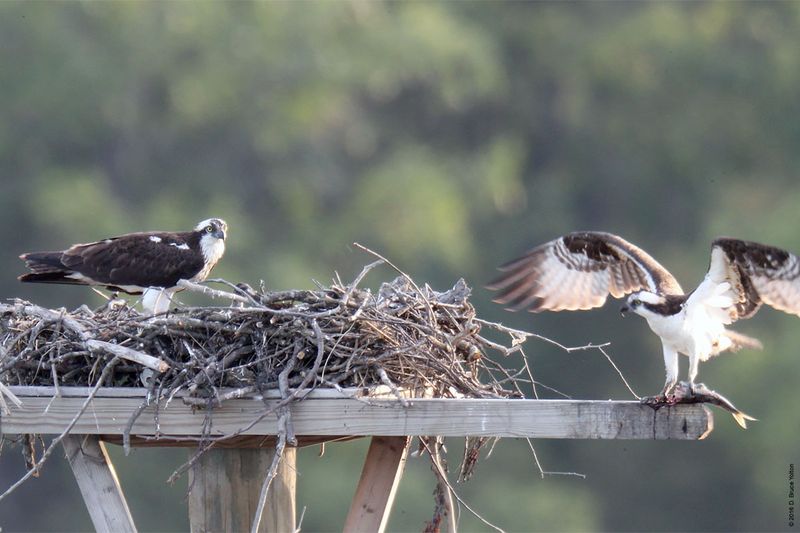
403, 336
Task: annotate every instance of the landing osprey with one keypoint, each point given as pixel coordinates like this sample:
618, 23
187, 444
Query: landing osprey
580, 270
151, 262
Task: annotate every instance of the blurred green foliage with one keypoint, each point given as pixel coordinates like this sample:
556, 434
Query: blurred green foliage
450, 137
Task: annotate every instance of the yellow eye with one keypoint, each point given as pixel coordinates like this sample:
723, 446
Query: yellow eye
636, 302
209, 229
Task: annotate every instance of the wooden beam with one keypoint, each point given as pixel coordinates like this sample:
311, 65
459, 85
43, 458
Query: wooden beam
225, 485
242, 441
383, 468
98, 483
558, 419
379, 391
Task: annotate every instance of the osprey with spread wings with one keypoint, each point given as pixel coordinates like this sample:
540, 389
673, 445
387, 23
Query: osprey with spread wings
579, 271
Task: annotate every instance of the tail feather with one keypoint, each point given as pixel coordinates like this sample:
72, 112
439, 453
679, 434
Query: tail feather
39, 262
50, 277
739, 341
733, 341
47, 267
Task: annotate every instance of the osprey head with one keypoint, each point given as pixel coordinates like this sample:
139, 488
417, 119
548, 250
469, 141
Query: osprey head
212, 227
212, 242
640, 302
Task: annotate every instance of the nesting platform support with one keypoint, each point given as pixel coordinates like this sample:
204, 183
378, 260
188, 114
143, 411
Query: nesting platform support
227, 484
98, 484
380, 477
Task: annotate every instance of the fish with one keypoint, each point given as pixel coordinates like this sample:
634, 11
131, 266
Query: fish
699, 393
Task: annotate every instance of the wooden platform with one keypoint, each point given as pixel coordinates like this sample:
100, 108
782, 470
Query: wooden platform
227, 480
329, 415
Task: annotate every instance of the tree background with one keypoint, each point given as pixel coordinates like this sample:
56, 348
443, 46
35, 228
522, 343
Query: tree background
450, 137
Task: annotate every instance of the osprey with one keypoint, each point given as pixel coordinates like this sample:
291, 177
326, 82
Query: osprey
151, 263
580, 270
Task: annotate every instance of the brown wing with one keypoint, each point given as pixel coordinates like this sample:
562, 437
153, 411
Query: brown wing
579, 271
135, 259
758, 274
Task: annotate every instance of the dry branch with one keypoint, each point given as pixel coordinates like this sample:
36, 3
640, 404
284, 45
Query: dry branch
131, 355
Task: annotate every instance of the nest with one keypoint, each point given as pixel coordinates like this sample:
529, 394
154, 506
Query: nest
405, 337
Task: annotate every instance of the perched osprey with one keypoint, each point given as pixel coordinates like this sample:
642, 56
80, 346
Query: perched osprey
151, 263
580, 270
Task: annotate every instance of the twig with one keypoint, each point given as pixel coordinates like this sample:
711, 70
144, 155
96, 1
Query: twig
439, 470
126, 434
300, 520
122, 352
238, 290
5, 391
568, 349
214, 293
443, 476
406, 276
284, 414
271, 473
543, 472
392, 387
47, 314
357, 281
625, 381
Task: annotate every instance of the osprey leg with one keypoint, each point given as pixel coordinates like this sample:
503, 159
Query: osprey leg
671, 366
694, 362
156, 300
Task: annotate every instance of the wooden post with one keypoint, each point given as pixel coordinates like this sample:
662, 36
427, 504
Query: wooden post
376, 489
225, 485
98, 484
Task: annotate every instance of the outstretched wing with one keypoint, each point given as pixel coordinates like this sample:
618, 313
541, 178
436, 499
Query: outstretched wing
579, 271
757, 274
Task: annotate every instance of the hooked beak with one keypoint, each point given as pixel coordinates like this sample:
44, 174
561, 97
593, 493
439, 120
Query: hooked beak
624, 309
219, 234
